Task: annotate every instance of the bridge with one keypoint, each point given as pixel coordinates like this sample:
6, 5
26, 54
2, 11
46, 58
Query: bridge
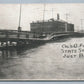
20, 38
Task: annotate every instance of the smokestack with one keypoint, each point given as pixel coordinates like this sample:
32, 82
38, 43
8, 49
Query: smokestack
58, 17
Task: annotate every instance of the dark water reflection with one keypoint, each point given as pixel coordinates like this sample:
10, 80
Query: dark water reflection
14, 53
7, 54
11, 54
12, 57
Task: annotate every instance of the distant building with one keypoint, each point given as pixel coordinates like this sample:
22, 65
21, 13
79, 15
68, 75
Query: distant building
52, 26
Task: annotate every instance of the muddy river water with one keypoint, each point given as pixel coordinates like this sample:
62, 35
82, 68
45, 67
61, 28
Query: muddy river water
58, 60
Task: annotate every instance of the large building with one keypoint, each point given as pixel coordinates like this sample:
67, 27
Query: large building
51, 26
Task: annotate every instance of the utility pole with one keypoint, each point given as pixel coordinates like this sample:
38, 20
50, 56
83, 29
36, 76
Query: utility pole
53, 9
66, 23
44, 12
19, 26
67, 15
43, 18
82, 24
52, 12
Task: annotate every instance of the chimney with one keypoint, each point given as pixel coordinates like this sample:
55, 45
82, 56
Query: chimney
58, 17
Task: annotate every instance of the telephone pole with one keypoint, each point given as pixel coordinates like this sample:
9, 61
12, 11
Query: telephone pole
53, 9
67, 15
19, 26
66, 23
44, 12
52, 12
82, 20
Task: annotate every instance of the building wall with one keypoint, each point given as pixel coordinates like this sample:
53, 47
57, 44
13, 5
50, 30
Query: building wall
71, 27
51, 26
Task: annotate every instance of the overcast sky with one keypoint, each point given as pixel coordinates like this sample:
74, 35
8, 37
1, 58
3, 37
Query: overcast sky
9, 14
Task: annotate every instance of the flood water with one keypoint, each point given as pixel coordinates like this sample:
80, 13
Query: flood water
43, 62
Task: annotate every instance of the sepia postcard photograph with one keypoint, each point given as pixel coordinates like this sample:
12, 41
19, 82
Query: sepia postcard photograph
42, 41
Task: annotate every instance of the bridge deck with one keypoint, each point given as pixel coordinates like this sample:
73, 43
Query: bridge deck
4, 36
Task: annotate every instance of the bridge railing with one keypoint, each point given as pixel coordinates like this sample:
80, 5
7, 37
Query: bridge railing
18, 35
